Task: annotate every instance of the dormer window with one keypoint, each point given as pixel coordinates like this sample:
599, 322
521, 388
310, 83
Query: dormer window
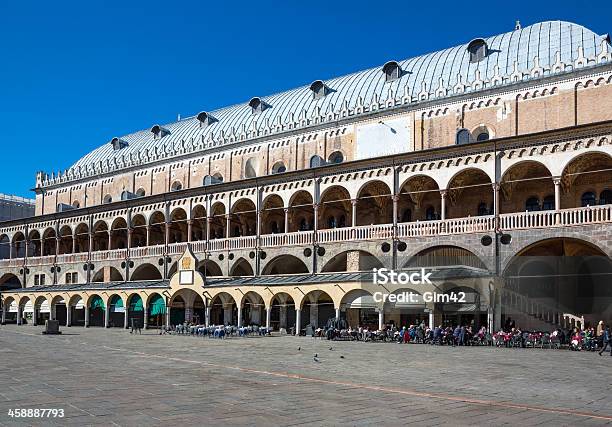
258, 105
205, 119
118, 143
159, 132
319, 89
392, 71
478, 50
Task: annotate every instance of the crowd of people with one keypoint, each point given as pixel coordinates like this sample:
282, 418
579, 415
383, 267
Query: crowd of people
588, 339
215, 331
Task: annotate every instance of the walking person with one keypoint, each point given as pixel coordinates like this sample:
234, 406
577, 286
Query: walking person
607, 341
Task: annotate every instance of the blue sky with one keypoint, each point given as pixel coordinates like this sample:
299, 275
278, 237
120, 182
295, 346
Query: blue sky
75, 74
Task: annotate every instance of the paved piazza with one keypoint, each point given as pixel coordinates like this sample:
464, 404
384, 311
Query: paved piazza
110, 377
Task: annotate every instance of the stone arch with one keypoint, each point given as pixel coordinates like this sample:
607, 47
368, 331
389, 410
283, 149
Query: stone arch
469, 193
198, 218
285, 264
590, 172
419, 199
522, 181
186, 305
251, 167
18, 245
374, 204
5, 246
178, 226
282, 311
9, 281
35, 244
138, 224
253, 309
107, 274
301, 211
317, 308
352, 260
48, 242
243, 218
100, 236
217, 221
135, 306
145, 271
445, 256
335, 209
273, 215
358, 308
81, 238
116, 307
119, 233
157, 228
223, 309
209, 268
241, 268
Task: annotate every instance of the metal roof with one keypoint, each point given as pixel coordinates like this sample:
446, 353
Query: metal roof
439, 74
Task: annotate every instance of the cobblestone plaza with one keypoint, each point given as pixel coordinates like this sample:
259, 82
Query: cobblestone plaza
109, 377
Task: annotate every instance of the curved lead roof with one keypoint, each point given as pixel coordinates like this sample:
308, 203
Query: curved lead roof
516, 50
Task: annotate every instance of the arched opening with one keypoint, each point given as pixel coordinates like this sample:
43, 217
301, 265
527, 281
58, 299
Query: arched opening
107, 199
241, 268
469, 193
96, 311
585, 178
42, 310
335, 157
253, 310
217, 222
273, 215
209, 268
285, 264
522, 182
100, 236
250, 168
481, 133
317, 310
555, 277
5, 247
139, 231
243, 219
77, 311
156, 311
49, 242
178, 226
27, 310
358, 309
59, 309
316, 161
176, 186
9, 281
445, 256
354, 260
19, 246
223, 310
34, 244
116, 315
187, 306
335, 209
145, 272
141, 192
157, 229
81, 238
419, 199
301, 212
107, 274
374, 204
282, 313
279, 167
119, 234
135, 309
401, 311
198, 223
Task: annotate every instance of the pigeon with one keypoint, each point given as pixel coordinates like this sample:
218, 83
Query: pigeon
316, 355
316, 359
331, 348
299, 348
341, 357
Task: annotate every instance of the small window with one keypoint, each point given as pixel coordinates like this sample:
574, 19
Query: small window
477, 50
39, 280
258, 105
76, 204
532, 204
336, 157
483, 135
159, 132
176, 186
316, 161
205, 119
392, 71
107, 199
588, 199
319, 89
279, 167
212, 180
463, 137
140, 192
118, 143
605, 198
250, 168
548, 204
72, 278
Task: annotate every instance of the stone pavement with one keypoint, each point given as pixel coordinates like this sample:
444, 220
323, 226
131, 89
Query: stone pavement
110, 377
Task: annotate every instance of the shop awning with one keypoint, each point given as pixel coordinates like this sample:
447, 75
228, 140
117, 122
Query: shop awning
96, 302
136, 304
44, 307
158, 306
116, 305
13, 307
28, 307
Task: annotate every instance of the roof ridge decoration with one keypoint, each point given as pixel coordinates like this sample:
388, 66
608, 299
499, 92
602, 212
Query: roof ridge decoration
528, 53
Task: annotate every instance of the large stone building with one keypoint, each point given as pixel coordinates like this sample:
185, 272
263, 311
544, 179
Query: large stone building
488, 163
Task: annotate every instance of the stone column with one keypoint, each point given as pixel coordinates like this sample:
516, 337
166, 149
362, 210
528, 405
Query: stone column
314, 315
316, 217
395, 200
208, 221
3, 314
283, 316
353, 212
125, 318
68, 315
239, 316
431, 319
166, 233
57, 245
557, 182
381, 319
228, 225
107, 316
298, 321
268, 317
148, 231
86, 315
34, 322
286, 211
495, 199
167, 316
74, 239
337, 314
227, 314
145, 320
19, 314
443, 204
189, 229
130, 231
207, 319
110, 239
